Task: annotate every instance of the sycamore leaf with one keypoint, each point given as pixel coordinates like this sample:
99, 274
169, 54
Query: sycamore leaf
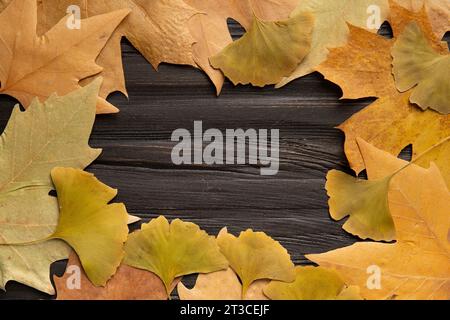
221, 285
173, 250
331, 29
312, 283
37, 66
157, 28
256, 256
363, 67
438, 12
417, 65
127, 284
417, 266
47, 135
267, 52
210, 29
95, 229
365, 201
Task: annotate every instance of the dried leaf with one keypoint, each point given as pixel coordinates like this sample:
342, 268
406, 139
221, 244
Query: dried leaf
127, 284
173, 250
417, 65
221, 285
95, 229
331, 29
33, 66
157, 28
438, 12
417, 266
364, 201
312, 283
210, 29
267, 52
47, 135
256, 256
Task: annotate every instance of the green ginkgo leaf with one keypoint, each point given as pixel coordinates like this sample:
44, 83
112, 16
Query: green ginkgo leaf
419, 67
95, 229
173, 250
312, 283
47, 135
364, 201
267, 52
256, 256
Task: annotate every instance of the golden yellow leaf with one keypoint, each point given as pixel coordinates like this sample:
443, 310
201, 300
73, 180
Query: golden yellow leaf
37, 66
331, 29
127, 284
157, 28
312, 283
210, 29
95, 229
60, 129
438, 12
173, 250
256, 256
417, 266
364, 201
418, 66
221, 285
267, 52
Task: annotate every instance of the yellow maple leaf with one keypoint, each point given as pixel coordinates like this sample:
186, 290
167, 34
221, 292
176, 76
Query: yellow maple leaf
38, 66
417, 266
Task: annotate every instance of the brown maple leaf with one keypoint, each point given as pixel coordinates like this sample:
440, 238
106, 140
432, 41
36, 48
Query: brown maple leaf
363, 68
38, 66
127, 284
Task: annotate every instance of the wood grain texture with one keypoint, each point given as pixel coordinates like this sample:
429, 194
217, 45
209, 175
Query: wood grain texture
291, 207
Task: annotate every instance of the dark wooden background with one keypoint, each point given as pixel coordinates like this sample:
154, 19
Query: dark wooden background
291, 207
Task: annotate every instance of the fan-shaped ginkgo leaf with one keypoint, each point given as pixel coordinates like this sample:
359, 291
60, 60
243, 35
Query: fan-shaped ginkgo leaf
364, 201
312, 283
173, 250
221, 285
419, 67
255, 256
267, 52
95, 229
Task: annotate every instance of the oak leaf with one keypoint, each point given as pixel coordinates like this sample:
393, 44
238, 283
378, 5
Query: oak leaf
331, 29
417, 266
256, 256
47, 135
267, 52
221, 285
157, 28
417, 66
37, 66
173, 250
127, 284
210, 29
312, 283
95, 229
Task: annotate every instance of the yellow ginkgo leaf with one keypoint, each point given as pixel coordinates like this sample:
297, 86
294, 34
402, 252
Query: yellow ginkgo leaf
255, 256
419, 67
364, 201
312, 283
95, 229
221, 285
173, 250
267, 52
